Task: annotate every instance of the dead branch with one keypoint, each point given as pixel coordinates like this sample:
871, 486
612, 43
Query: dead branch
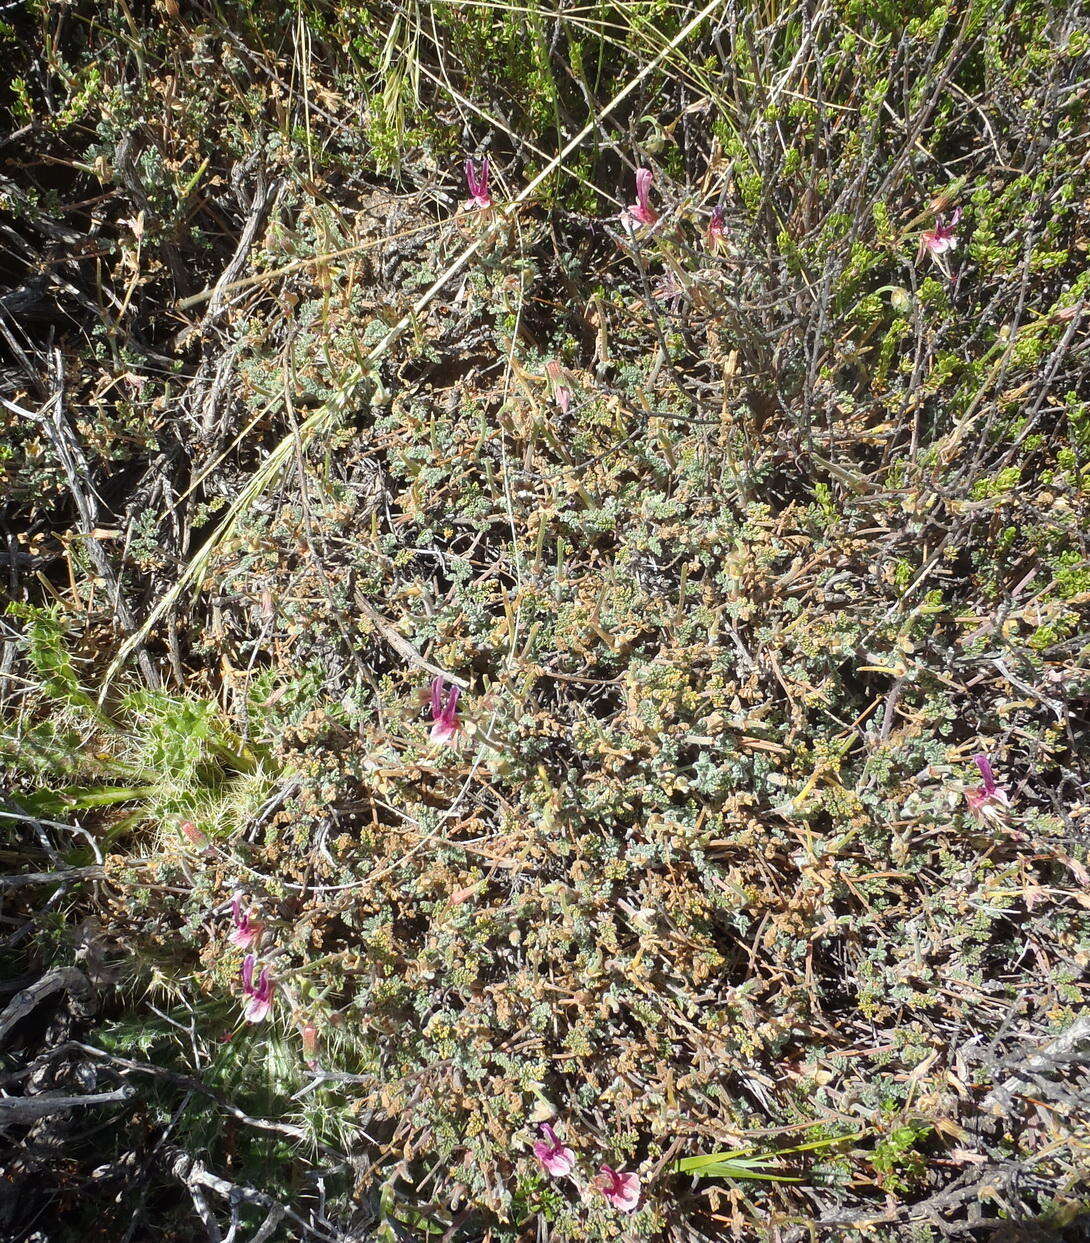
61, 979
21, 1110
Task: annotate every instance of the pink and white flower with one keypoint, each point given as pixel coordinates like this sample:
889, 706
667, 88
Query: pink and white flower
620, 1189
258, 996
940, 239
554, 1157
477, 180
245, 930
988, 798
444, 714
640, 213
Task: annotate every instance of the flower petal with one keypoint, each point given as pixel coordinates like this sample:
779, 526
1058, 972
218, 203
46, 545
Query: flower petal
644, 178
983, 763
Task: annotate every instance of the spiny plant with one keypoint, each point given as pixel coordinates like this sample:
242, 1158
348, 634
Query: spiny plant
64, 751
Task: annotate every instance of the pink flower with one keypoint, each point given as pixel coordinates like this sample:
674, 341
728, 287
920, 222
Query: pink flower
554, 1157
939, 240
620, 1189
640, 212
985, 801
246, 930
258, 998
717, 230
477, 180
561, 391
445, 715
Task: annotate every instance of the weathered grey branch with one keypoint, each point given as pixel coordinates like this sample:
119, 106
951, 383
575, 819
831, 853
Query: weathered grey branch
1070, 1046
21, 1110
265, 195
64, 876
61, 979
197, 1177
187, 1170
